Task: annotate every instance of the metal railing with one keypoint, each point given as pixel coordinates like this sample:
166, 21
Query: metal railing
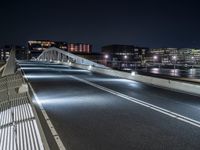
18, 121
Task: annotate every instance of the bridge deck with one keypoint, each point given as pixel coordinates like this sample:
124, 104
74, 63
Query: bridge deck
96, 112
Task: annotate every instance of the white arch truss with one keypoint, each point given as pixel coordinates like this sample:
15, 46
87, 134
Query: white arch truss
55, 54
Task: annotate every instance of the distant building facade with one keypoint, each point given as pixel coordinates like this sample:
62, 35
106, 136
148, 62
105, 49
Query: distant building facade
20, 51
175, 55
79, 48
96, 57
40, 45
5, 52
124, 56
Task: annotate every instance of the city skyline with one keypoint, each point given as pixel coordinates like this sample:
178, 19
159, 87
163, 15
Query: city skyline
149, 24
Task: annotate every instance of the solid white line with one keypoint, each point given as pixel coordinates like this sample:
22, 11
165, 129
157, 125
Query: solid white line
143, 103
48, 121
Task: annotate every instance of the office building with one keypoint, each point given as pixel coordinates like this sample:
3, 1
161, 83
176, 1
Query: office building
175, 55
21, 52
40, 45
79, 48
37, 46
124, 56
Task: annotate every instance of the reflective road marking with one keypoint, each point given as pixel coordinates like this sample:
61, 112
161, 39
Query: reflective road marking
140, 102
51, 127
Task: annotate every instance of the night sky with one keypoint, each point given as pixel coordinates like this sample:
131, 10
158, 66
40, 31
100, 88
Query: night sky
149, 23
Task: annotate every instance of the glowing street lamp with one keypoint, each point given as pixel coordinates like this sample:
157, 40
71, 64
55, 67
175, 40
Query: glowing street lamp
90, 67
125, 57
155, 57
174, 58
133, 73
193, 61
106, 56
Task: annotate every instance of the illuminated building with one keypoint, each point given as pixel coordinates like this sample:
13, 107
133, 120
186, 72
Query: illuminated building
5, 52
61, 45
20, 51
40, 45
123, 56
119, 52
183, 55
79, 48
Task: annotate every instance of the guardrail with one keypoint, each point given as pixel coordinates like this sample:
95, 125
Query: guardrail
19, 124
180, 86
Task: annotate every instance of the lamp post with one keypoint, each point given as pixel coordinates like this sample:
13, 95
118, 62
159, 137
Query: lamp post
106, 56
155, 58
193, 59
126, 57
174, 58
193, 62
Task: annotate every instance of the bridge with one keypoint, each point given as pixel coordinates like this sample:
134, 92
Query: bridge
81, 105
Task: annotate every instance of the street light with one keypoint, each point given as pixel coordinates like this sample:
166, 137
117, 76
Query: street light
90, 67
106, 56
193, 59
174, 58
133, 73
193, 62
155, 57
126, 63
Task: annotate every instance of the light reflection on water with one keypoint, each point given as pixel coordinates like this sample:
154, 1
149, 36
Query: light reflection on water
188, 73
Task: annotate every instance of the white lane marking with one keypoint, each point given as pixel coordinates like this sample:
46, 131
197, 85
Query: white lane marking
143, 103
49, 123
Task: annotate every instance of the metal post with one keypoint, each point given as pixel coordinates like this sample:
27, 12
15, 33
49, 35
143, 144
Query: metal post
174, 68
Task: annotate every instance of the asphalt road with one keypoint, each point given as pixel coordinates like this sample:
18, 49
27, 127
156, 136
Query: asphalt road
88, 115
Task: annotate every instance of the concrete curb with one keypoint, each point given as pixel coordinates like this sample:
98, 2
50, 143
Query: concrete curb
180, 86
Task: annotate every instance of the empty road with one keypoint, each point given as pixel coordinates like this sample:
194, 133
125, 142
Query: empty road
92, 111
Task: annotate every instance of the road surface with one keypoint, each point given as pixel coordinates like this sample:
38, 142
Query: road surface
91, 111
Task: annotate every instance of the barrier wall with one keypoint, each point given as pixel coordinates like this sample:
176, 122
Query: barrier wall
164, 83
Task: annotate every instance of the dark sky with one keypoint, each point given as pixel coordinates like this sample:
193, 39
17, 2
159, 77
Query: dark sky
151, 23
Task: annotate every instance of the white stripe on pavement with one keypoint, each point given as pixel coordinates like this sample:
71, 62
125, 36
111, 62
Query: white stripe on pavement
143, 103
46, 117
49, 123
